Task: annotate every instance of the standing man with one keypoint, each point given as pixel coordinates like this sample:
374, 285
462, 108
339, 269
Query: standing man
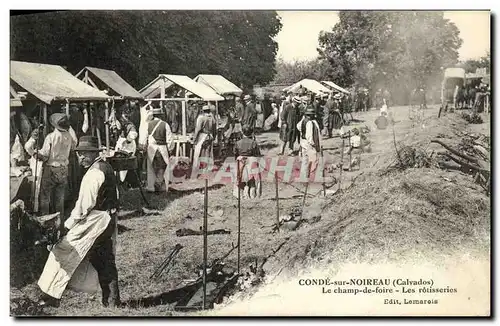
309, 140
204, 136
90, 240
158, 145
55, 155
239, 110
289, 118
250, 114
327, 115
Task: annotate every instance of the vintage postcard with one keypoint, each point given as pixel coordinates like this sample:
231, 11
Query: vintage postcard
250, 163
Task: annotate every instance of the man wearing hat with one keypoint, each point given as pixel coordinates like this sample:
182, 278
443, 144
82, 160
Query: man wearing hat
159, 143
88, 248
249, 114
55, 155
204, 136
309, 140
289, 118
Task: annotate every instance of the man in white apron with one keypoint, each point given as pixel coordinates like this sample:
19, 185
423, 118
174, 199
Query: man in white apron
204, 136
310, 137
158, 144
85, 257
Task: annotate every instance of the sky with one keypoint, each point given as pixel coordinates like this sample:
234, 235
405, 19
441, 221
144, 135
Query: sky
298, 38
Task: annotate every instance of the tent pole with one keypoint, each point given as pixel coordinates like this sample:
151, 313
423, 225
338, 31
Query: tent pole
106, 125
67, 108
45, 120
184, 128
205, 243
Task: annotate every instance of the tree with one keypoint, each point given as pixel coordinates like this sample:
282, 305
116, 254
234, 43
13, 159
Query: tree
139, 45
386, 49
292, 72
471, 65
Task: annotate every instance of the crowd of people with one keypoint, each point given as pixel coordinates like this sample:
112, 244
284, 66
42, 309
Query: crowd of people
73, 176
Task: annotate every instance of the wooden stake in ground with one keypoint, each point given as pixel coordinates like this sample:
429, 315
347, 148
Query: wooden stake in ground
238, 179
323, 165
341, 162
277, 201
205, 249
350, 152
305, 192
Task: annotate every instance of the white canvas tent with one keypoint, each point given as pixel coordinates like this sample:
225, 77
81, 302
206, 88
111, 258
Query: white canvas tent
310, 85
156, 91
335, 86
163, 82
219, 84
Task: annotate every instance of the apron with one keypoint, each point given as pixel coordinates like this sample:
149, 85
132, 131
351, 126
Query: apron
152, 148
197, 150
310, 157
68, 264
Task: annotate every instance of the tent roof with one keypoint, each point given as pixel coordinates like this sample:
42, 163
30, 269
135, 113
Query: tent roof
219, 84
309, 84
115, 82
153, 88
335, 86
51, 83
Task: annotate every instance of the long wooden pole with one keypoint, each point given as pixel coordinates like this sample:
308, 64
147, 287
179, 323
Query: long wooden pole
277, 200
350, 152
341, 161
238, 177
205, 249
106, 125
45, 121
323, 166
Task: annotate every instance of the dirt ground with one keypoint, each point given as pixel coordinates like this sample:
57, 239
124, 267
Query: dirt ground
419, 211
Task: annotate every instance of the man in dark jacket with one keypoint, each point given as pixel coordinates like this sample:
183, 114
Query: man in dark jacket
289, 119
249, 114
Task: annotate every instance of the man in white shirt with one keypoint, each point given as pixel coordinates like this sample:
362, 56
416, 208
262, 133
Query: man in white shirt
89, 245
55, 155
310, 138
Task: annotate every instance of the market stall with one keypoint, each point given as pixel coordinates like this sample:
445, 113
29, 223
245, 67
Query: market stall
121, 93
334, 87
307, 85
189, 91
48, 85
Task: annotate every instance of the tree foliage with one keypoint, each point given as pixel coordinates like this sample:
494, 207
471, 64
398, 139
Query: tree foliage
291, 72
394, 50
139, 45
472, 64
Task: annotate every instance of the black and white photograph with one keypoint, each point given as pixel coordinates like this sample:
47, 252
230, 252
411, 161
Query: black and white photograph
240, 163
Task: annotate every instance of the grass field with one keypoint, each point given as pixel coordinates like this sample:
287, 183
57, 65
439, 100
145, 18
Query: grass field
418, 212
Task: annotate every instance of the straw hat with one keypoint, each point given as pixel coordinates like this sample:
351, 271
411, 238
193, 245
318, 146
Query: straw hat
247, 97
59, 121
